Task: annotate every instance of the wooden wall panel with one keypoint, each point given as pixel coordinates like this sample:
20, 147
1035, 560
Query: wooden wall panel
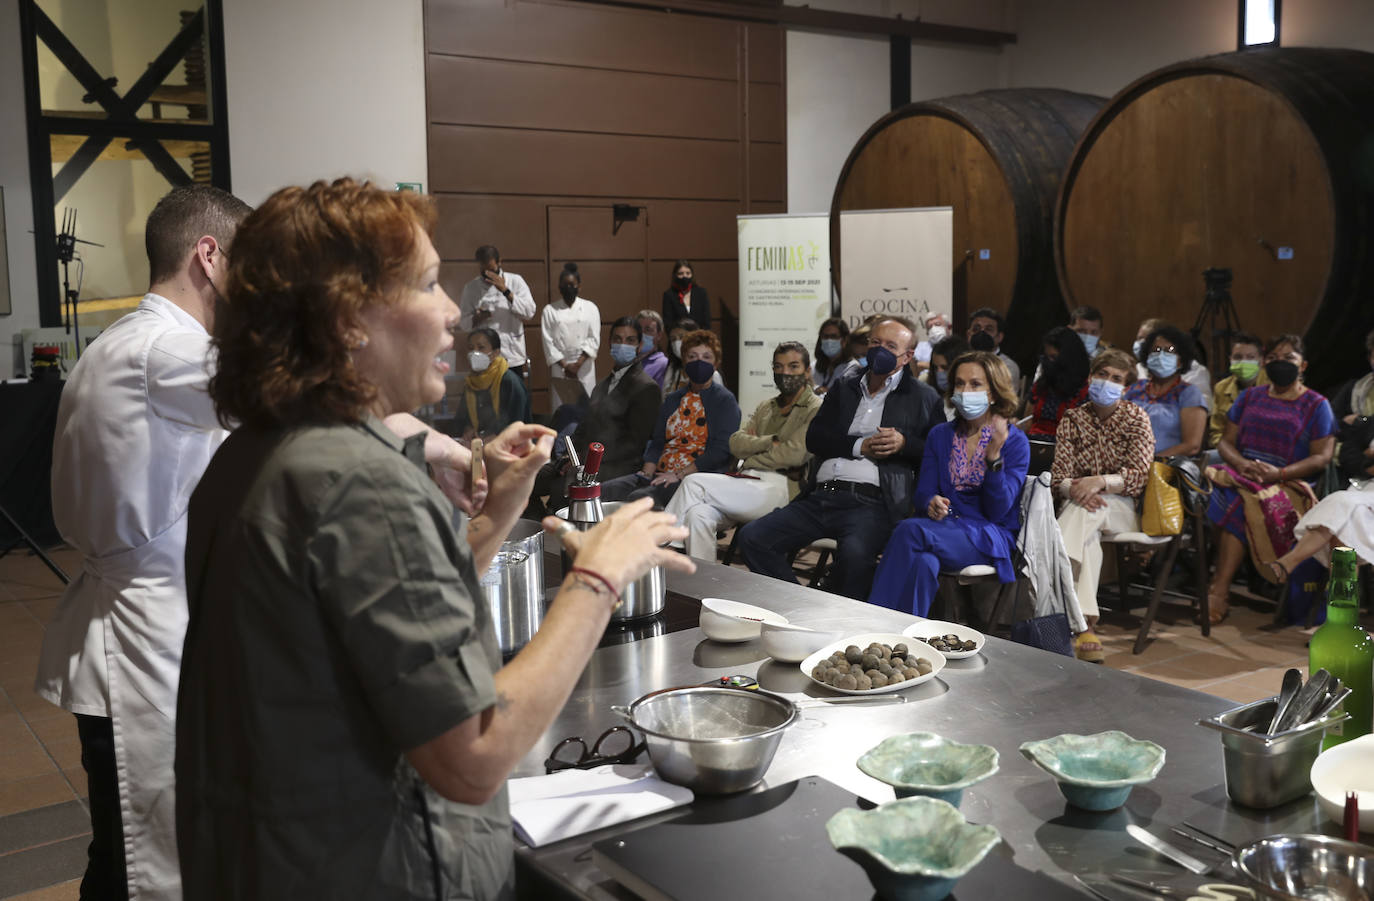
527, 95
516, 225
767, 52
767, 113
768, 172
581, 35
469, 159
589, 233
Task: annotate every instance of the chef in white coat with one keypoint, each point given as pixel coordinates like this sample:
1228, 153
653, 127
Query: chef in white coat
572, 335
135, 430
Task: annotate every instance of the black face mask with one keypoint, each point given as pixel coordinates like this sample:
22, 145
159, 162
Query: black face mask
1282, 373
982, 341
569, 292
788, 385
682, 282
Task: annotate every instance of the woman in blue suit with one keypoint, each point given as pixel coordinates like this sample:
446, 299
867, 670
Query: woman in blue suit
968, 493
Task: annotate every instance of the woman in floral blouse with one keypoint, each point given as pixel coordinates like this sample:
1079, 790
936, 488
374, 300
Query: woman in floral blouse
1101, 460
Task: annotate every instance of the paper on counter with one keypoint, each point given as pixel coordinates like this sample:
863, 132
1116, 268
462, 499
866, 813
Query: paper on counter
551, 808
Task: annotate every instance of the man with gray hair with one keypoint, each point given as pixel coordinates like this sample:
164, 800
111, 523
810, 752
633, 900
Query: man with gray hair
135, 431
651, 355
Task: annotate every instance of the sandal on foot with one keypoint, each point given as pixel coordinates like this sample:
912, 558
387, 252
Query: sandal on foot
1214, 604
1088, 647
1279, 572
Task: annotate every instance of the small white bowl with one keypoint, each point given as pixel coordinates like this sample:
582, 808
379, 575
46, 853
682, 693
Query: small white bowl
731, 621
1346, 767
929, 628
791, 643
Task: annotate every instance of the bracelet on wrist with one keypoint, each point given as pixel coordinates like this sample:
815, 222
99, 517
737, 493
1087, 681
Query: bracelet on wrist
597, 583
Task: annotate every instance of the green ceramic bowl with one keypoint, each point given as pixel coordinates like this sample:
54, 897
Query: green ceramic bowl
912, 850
923, 763
1096, 772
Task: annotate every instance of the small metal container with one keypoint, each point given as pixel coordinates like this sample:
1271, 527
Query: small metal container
1307, 868
514, 586
645, 596
1264, 771
712, 740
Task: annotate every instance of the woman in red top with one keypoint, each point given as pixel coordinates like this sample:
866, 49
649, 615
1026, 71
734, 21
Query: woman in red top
1062, 383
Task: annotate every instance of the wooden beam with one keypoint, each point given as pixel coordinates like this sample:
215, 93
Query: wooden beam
822, 20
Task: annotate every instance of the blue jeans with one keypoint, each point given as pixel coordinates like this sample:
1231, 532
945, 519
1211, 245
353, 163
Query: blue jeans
858, 524
917, 552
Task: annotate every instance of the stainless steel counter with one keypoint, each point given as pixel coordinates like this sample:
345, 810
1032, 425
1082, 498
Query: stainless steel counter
1005, 695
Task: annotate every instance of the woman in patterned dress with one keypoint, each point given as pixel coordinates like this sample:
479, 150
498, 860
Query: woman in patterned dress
967, 493
693, 431
1101, 461
1279, 438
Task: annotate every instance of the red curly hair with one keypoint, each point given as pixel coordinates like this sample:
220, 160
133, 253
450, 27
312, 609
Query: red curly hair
306, 263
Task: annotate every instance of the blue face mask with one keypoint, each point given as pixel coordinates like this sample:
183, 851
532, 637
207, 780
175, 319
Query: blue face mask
971, 404
623, 354
699, 371
830, 347
1105, 393
1162, 364
1090, 342
942, 380
881, 361
646, 345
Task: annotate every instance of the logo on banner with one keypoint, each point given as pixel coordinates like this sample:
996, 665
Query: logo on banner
783, 258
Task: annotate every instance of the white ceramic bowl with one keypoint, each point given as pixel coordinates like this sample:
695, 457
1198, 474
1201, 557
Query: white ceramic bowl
731, 621
1346, 767
928, 628
791, 643
937, 661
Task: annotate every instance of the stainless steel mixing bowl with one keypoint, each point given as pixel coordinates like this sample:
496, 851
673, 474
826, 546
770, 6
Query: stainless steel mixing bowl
712, 740
1307, 868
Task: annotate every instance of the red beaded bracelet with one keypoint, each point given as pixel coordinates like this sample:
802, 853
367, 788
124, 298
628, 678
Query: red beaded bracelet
593, 574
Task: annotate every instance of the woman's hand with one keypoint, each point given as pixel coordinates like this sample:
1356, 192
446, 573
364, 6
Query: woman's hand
999, 437
938, 508
513, 459
1086, 492
666, 478
450, 462
626, 544
1265, 472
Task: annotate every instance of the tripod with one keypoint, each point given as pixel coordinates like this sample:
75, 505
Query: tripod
66, 252
26, 538
1218, 314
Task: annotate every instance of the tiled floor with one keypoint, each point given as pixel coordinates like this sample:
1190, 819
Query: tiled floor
44, 826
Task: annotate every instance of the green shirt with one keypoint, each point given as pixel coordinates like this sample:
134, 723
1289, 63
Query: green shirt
336, 622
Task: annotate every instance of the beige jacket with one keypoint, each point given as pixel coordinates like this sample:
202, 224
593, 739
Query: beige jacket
776, 442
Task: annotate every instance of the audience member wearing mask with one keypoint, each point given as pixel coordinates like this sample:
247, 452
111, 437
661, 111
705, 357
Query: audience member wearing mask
1247, 371
1176, 407
651, 355
967, 496
1086, 322
832, 353
985, 334
572, 335
937, 329
1101, 462
771, 450
675, 378
498, 300
937, 376
1356, 397
869, 435
1062, 383
857, 342
494, 395
1282, 434
1194, 373
620, 415
692, 432
685, 299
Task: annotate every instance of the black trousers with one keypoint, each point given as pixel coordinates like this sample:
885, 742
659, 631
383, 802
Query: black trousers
105, 874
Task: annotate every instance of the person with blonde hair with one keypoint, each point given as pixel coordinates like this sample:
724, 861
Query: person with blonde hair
967, 492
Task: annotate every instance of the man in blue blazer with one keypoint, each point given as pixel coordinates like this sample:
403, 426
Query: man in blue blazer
868, 439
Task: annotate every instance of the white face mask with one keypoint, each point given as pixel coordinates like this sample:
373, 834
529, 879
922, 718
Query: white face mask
677, 348
937, 333
478, 361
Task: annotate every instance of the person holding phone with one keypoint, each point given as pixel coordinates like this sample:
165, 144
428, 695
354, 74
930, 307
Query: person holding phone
498, 300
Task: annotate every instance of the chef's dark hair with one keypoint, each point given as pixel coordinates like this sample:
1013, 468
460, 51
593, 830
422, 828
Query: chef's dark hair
492, 335
629, 322
571, 269
181, 218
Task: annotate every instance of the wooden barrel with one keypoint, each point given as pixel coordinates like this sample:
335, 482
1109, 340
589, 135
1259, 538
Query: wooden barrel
996, 157
1261, 162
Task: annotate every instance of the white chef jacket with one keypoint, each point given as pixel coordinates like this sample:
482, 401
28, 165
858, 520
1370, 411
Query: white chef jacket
135, 431
507, 316
569, 331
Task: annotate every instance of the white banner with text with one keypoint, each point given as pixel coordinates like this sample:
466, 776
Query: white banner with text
784, 294
897, 263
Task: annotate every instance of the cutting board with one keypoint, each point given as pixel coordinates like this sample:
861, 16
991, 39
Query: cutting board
773, 845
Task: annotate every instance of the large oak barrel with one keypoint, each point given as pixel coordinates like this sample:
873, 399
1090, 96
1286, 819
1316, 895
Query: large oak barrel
996, 157
1260, 162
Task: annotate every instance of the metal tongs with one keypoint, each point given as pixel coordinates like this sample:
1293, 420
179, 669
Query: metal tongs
1313, 701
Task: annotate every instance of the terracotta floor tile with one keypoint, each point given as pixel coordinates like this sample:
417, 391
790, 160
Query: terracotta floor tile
27, 702
14, 614
42, 609
1238, 690
76, 779
66, 751
25, 763
53, 728
64, 891
26, 794
14, 735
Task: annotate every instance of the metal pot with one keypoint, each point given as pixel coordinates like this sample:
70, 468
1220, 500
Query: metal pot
712, 740
1265, 771
514, 585
644, 596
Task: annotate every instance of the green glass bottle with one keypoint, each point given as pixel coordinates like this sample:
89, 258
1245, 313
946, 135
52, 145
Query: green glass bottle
1345, 649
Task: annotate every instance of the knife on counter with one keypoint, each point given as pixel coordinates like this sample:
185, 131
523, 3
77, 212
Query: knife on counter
1158, 845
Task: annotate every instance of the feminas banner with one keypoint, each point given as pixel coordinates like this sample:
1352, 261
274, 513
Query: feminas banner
896, 263
784, 294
